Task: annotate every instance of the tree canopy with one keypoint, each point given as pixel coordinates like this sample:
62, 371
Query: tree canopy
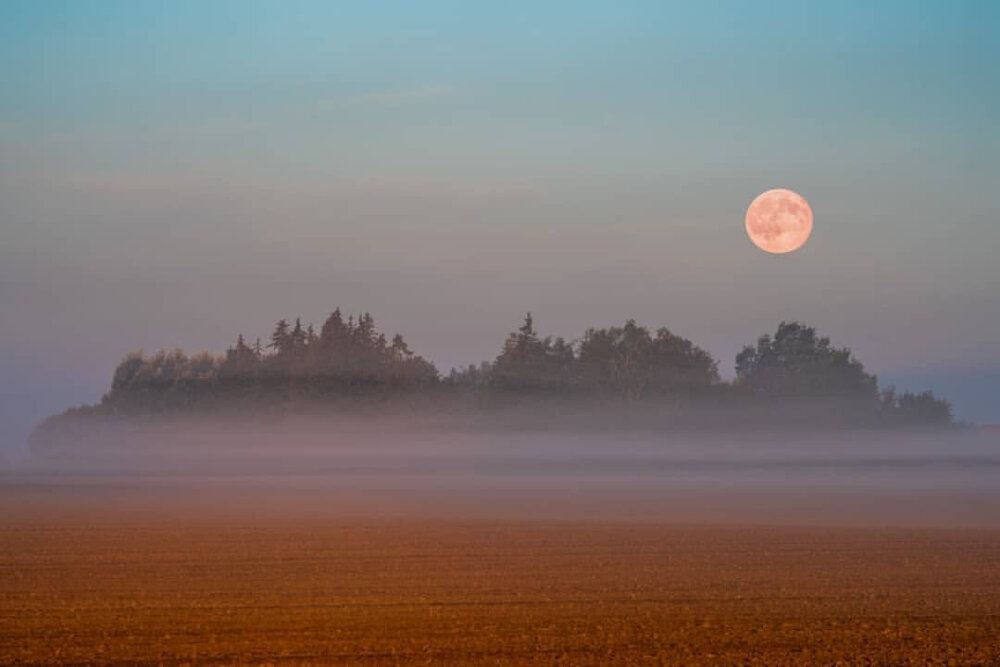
797, 362
349, 358
345, 358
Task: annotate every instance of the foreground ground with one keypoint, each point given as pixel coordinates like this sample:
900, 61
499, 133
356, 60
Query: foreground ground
176, 583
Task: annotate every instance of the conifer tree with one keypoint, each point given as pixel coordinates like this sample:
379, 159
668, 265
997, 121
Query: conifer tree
280, 339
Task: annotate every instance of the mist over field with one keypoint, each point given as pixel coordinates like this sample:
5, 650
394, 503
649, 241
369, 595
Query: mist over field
517, 466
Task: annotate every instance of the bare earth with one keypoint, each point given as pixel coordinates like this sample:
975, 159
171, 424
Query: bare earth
176, 583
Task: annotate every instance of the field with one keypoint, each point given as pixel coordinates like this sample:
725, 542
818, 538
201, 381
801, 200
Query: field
173, 583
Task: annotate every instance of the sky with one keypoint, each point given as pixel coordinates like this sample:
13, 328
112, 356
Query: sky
175, 173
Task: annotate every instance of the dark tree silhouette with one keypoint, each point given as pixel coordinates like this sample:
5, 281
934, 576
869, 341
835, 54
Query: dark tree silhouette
631, 362
621, 361
351, 359
922, 409
797, 362
344, 359
530, 364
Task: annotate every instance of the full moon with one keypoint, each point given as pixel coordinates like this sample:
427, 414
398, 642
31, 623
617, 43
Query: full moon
779, 221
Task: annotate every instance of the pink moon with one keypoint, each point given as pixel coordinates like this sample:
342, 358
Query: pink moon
779, 221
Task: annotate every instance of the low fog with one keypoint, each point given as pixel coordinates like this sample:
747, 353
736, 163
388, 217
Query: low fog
514, 466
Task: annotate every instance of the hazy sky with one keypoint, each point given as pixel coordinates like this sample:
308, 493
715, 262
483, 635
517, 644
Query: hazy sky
173, 173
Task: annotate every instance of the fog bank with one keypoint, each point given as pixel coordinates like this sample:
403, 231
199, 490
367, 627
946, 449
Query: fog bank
422, 468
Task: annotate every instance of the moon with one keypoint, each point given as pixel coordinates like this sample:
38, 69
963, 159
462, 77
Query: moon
779, 221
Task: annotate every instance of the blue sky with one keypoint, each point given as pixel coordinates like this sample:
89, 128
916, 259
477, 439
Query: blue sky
172, 173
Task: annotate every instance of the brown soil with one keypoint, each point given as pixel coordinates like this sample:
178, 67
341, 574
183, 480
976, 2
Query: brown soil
176, 586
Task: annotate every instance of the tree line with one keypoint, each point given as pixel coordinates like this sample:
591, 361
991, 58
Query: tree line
345, 358
349, 359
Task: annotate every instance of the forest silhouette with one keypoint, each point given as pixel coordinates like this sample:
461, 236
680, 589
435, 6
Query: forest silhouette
791, 378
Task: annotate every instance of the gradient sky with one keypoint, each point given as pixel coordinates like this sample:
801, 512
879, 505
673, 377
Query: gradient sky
173, 173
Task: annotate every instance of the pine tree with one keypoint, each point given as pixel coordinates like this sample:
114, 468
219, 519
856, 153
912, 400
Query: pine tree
298, 335
400, 350
280, 339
